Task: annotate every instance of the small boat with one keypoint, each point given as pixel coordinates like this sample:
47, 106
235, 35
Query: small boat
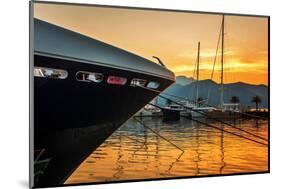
202, 111
172, 112
197, 107
149, 112
84, 89
226, 110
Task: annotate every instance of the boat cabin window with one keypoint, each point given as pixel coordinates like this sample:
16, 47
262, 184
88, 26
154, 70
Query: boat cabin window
89, 76
153, 85
138, 82
50, 73
116, 80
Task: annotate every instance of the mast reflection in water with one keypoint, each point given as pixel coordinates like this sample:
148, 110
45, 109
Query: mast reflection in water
134, 152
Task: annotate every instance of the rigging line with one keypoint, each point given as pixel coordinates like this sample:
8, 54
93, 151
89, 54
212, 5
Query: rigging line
182, 98
208, 105
209, 125
173, 163
161, 109
241, 136
198, 111
226, 124
214, 64
217, 49
139, 121
193, 76
222, 129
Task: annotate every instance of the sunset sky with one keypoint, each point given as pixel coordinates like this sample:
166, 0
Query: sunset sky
173, 36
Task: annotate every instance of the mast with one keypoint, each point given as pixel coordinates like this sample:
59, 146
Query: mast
197, 73
222, 59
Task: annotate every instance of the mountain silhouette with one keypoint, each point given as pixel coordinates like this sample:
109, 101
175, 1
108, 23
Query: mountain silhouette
182, 80
208, 88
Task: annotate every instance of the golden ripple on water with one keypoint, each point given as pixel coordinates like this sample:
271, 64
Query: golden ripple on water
134, 152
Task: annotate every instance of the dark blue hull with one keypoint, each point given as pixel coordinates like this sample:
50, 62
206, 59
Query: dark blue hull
72, 118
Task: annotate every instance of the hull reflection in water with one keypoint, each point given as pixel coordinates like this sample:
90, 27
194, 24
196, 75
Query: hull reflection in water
134, 152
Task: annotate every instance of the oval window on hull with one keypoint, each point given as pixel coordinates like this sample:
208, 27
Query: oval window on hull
138, 82
153, 85
50, 73
89, 77
116, 80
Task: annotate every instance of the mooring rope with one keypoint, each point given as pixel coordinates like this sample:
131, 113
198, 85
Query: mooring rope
206, 105
219, 128
209, 125
241, 136
209, 117
203, 114
139, 121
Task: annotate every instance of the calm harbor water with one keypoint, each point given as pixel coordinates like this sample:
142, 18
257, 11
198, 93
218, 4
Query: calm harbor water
135, 152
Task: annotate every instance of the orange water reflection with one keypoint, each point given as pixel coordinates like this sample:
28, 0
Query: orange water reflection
134, 152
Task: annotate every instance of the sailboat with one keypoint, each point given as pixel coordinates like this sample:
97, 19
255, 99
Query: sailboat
226, 110
197, 109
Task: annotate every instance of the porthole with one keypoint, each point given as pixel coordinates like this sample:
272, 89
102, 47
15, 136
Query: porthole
89, 77
153, 85
50, 73
138, 82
